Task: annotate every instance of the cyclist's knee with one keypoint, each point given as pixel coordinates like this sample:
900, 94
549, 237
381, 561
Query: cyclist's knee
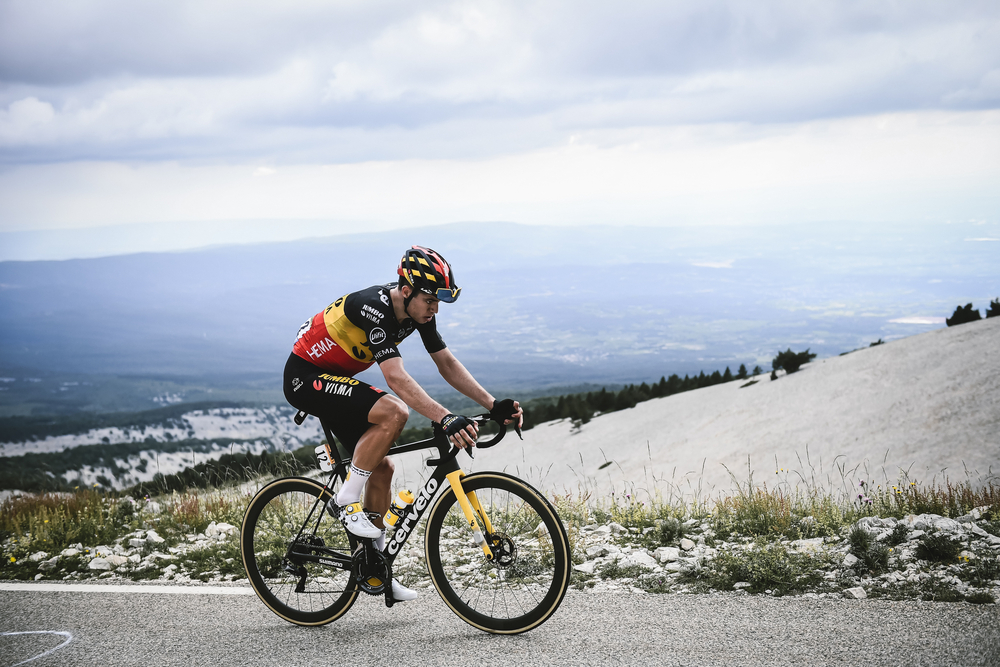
389, 411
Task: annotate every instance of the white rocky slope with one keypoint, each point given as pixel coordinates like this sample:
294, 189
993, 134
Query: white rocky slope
928, 404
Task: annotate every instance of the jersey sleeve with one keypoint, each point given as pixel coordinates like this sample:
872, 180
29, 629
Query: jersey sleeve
431, 338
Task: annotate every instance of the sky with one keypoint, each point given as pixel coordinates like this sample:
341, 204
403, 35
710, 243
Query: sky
175, 124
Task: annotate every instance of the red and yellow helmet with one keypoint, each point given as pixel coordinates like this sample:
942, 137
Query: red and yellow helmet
425, 270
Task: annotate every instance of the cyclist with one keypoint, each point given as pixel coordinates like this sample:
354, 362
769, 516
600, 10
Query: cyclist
366, 327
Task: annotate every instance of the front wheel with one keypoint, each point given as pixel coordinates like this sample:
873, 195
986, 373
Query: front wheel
530, 572
301, 591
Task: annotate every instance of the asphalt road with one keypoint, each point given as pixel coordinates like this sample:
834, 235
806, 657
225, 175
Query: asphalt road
138, 627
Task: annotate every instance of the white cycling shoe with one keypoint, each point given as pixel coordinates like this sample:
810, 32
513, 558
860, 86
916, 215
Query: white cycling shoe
401, 593
355, 519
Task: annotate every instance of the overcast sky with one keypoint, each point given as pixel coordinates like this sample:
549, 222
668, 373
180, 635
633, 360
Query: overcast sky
369, 114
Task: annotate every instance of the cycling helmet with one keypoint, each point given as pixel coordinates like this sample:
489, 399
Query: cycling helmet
427, 271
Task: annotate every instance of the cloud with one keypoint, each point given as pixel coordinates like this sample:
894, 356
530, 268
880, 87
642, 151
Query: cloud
354, 81
918, 320
728, 264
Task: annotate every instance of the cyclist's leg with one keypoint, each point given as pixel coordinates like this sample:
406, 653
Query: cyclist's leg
365, 419
387, 418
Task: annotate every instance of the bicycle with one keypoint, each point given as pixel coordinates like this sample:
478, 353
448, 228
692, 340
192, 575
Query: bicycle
508, 578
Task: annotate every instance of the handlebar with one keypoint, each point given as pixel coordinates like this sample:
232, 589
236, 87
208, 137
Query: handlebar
478, 419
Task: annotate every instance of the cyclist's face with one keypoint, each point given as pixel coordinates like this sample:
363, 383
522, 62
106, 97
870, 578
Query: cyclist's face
424, 307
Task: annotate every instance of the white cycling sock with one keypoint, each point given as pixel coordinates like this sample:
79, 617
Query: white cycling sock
350, 492
380, 541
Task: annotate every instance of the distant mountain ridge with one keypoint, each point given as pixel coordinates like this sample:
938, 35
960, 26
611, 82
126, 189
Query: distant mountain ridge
540, 307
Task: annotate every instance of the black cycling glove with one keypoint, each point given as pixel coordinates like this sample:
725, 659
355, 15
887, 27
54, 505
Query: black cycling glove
503, 410
452, 424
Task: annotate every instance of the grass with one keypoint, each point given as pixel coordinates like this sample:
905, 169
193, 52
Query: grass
755, 522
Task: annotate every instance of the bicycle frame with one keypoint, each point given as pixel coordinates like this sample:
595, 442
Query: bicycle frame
446, 469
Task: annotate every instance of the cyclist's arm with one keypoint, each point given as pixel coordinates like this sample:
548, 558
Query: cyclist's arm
460, 378
452, 370
411, 393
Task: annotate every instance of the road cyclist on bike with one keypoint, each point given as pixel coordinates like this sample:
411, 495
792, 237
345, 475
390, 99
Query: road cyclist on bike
356, 331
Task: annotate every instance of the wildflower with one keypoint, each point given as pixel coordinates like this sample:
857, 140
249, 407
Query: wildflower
13, 560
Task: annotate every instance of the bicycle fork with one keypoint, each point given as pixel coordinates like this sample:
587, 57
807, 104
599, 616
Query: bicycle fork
478, 520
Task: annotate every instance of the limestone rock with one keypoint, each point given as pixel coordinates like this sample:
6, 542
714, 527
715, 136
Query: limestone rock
687, 545
640, 558
99, 564
850, 560
153, 537
69, 552
49, 565
37, 556
808, 546
667, 554
856, 593
586, 568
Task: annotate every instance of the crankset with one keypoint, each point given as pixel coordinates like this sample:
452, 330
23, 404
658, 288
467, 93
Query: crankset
370, 569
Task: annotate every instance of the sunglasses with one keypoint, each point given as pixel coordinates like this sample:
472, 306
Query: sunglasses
445, 294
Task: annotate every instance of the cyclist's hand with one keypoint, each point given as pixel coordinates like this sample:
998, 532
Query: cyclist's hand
509, 411
460, 431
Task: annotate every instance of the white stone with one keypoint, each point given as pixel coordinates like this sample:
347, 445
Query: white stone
687, 545
602, 530
99, 564
134, 558
37, 556
647, 531
153, 536
915, 534
69, 552
586, 568
976, 530
616, 528
226, 528
49, 565
38, 576
673, 567
667, 554
103, 550
596, 551
808, 546
850, 560
153, 507
116, 561
640, 558
857, 593
947, 525
740, 585
136, 542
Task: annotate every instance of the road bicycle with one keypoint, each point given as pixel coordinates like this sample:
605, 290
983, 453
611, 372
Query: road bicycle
495, 548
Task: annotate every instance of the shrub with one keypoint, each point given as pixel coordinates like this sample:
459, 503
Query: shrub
938, 548
791, 361
765, 566
963, 315
994, 309
872, 556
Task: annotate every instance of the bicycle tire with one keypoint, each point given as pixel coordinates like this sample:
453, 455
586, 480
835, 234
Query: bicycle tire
523, 590
271, 522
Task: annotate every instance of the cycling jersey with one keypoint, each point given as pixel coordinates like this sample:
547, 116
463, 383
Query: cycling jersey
357, 330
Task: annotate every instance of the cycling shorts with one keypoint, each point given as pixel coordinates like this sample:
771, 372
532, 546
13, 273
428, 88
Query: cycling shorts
342, 402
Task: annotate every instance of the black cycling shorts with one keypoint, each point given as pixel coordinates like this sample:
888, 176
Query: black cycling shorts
342, 402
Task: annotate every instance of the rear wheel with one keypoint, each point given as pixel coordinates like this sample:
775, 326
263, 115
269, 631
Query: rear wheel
527, 579
302, 592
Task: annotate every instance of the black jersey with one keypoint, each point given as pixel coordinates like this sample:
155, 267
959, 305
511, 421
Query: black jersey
359, 329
